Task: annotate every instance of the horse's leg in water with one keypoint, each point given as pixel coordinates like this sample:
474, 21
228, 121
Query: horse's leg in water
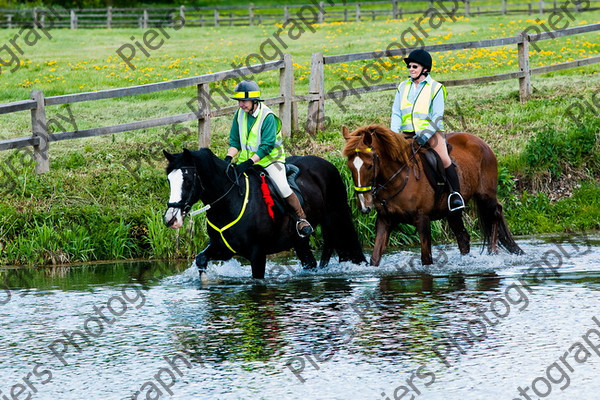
382, 235
424, 228
326, 254
258, 261
458, 228
304, 253
211, 252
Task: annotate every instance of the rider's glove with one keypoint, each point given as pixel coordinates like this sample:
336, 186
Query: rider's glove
421, 139
243, 167
227, 159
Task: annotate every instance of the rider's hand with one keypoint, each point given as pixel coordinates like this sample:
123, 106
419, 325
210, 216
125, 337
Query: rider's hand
243, 167
227, 159
420, 139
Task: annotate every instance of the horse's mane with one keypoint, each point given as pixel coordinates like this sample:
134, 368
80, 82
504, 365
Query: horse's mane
385, 142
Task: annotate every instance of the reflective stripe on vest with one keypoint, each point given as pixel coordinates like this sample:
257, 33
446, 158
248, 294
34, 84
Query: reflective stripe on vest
415, 117
250, 141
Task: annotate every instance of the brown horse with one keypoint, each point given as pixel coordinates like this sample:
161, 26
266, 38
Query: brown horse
388, 175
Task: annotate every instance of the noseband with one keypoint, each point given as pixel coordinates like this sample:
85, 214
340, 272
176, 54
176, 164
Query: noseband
363, 189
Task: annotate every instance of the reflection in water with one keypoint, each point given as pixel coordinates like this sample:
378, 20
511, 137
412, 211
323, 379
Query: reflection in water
358, 331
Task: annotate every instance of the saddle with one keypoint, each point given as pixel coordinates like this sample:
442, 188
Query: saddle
434, 170
292, 173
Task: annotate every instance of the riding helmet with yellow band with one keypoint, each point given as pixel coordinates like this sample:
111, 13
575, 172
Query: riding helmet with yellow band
247, 90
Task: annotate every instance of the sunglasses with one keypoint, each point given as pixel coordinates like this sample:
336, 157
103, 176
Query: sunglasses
413, 66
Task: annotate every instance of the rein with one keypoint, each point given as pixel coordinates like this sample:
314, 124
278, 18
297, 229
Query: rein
235, 221
186, 205
377, 188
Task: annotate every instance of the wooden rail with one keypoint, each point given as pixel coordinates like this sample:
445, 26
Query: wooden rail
287, 100
317, 78
326, 11
41, 138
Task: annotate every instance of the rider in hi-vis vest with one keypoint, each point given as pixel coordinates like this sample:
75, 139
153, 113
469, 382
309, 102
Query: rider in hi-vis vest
256, 135
418, 110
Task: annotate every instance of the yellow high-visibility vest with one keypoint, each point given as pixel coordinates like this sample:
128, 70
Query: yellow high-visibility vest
415, 116
250, 141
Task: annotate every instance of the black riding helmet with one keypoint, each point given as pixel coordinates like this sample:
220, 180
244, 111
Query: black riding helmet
421, 57
247, 90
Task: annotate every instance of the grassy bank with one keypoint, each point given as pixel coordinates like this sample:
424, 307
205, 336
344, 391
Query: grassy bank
103, 197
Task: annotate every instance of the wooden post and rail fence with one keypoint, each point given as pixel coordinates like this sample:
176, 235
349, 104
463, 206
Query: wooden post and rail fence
330, 11
40, 139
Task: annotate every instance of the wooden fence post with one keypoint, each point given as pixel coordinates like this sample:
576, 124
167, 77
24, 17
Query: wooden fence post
73, 20
216, 17
34, 16
145, 19
357, 12
286, 91
109, 17
39, 129
503, 7
286, 14
316, 108
204, 115
541, 6
251, 14
525, 81
321, 12
181, 15
467, 8
395, 9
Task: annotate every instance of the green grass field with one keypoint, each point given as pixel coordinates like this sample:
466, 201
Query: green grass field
104, 195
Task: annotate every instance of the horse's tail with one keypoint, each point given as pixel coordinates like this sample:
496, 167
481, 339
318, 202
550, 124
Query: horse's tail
493, 225
338, 228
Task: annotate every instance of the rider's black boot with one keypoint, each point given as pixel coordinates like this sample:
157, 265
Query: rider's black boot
455, 200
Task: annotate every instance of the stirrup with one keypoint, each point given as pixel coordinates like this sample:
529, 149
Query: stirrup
306, 231
459, 207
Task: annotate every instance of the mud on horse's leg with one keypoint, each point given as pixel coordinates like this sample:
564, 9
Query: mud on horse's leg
382, 235
424, 228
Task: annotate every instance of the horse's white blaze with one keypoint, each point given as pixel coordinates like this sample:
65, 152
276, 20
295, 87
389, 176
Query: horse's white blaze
175, 178
176, 183
358, 163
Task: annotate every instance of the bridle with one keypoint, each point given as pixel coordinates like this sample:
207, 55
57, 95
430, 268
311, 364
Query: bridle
374, 188
186, 205
363, 189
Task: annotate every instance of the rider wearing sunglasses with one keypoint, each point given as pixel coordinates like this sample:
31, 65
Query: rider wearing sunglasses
418, 111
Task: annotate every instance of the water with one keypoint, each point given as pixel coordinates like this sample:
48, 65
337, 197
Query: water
346, 332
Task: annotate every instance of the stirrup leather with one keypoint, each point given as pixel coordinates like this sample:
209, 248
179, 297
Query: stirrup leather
309, 226
462, 201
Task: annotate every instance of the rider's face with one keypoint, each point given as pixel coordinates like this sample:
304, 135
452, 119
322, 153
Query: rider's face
414, 69
246, 105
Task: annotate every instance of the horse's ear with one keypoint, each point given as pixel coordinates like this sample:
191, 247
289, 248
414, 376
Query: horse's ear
368, 139
168, 155
187, 153
345, 132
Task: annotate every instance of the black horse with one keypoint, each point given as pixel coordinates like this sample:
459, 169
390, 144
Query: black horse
238, 218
